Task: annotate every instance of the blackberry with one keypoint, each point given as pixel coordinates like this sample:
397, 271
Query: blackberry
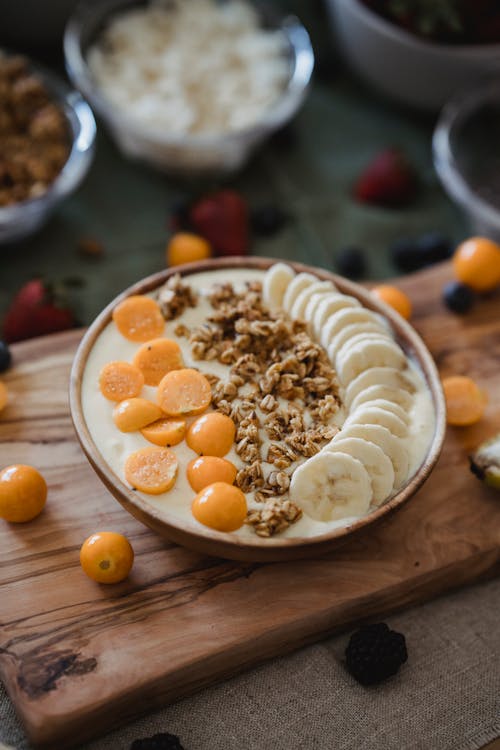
458, 297
351, 262
268, 220
163, 741
5, 356
375, 652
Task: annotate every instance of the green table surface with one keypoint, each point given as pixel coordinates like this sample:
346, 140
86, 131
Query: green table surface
125, 205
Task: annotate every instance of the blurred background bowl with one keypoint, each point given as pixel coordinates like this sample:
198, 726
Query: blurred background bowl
419, 73
24, 218
466, 150
192, 154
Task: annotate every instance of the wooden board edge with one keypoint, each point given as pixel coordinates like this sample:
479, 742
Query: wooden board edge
219, 667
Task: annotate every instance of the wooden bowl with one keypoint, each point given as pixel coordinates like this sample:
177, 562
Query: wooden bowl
231, 546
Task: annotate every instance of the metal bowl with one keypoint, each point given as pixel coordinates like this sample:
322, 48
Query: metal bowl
467, 155
26, 217
191, 154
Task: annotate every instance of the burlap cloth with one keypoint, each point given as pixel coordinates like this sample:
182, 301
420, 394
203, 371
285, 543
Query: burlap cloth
446, 697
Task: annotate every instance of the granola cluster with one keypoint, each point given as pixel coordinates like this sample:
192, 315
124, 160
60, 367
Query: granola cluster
281, 392
34, 134
173, 298
274, 517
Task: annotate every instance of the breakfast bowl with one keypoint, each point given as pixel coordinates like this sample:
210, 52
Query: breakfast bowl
407, 68
467, 156
205, 151
307, 523
24, 217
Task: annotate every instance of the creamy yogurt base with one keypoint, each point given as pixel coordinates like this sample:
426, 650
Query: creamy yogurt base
175, 505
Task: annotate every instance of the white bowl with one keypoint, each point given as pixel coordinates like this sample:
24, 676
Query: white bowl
412, 71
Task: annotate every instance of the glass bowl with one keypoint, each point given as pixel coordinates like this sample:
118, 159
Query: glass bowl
22, 219
191, 154
466, 153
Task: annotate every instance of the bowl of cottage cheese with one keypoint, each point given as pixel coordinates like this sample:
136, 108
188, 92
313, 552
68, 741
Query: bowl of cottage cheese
255, 409
190, 87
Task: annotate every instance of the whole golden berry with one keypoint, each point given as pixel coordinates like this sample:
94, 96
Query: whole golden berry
477, 263
107, 557
23, 493
395, 298
185, 247
465, 401
220, 506
211, 434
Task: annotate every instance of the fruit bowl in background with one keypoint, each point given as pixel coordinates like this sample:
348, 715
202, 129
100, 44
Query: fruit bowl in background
186, 154
26, 217
232, 546
411, 70
466, 152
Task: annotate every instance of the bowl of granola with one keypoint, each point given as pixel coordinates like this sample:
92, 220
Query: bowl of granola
256, 410
47, 134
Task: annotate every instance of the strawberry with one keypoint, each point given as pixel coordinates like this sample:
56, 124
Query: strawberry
222, 218
35, 311
389, 180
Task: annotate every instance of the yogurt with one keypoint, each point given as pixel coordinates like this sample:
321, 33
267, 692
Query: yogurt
175, 505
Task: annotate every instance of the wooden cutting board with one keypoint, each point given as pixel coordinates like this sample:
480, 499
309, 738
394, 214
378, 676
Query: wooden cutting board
78, 658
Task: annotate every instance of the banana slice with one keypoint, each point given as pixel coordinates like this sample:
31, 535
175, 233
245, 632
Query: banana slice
275, 284
352, 360
388, 376
382, 403
342, 318
359, 337
297, 311
367, 414
312, 307
331, 486
295, 287
381, 436
347, 333
332, 304
376, 463
375, 392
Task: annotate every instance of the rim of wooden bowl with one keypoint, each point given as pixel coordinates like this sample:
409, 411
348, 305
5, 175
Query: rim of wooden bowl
230, 545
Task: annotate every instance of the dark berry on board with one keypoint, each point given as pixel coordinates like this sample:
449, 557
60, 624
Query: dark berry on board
406, 255
375, 652
458, 297
5, 356
434, 247
268, 220
351, 262
163, 741
412, 254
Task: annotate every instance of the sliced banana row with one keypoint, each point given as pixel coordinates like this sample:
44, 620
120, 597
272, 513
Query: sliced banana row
367, 459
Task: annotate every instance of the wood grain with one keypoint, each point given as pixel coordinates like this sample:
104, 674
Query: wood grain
78, 658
